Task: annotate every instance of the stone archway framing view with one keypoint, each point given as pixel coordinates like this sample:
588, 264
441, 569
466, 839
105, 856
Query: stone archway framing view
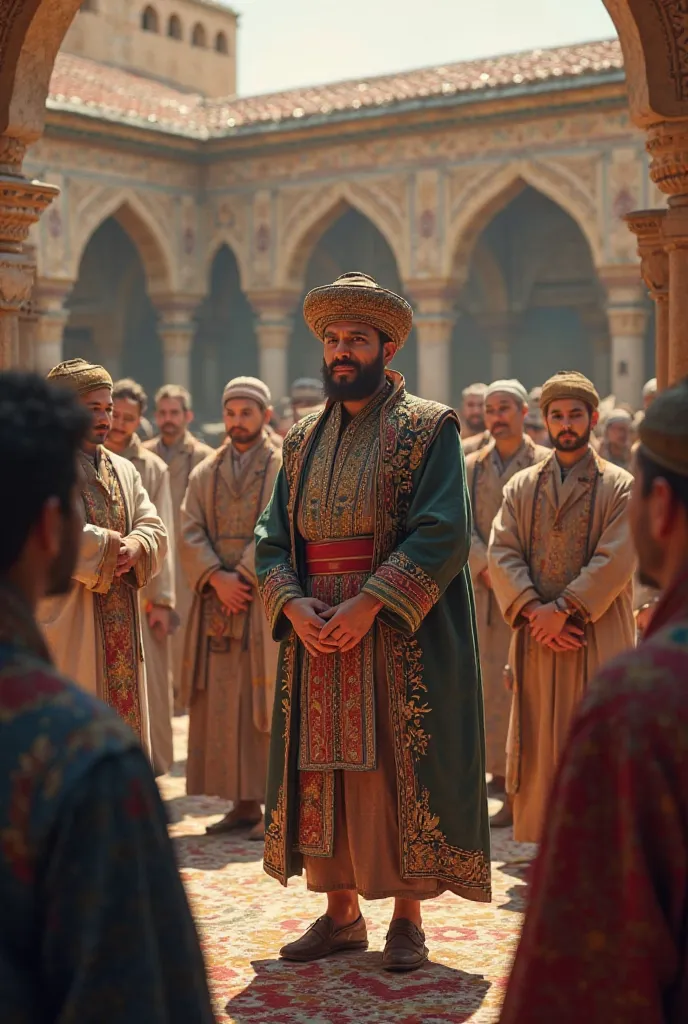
447, 173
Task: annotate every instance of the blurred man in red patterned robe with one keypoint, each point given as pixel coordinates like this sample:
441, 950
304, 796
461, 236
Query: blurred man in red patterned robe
606, 937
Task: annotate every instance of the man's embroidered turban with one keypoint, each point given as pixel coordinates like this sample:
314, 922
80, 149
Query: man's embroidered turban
664, 430
356, 296
81, 376
248, 387
569, 384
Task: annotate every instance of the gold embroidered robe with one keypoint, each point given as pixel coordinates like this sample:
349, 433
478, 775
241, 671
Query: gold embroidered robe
181, 459
94, 631
428, 667
160, 591
486, 481
550, 539
230, 661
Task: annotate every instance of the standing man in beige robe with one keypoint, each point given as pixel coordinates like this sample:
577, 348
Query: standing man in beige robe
94, 631
159, 619
181, 452
561, 562
488, 471
230, 661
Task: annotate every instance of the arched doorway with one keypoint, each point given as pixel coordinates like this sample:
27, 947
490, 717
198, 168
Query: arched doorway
225, 345
111, 317
352, 242
533, 303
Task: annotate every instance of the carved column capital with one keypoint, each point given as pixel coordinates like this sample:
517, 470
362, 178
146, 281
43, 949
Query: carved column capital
647, 226
667, 144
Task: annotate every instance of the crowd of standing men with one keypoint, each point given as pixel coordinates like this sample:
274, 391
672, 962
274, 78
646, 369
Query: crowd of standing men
335, 568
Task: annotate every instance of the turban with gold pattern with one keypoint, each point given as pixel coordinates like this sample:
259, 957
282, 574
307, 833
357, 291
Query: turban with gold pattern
357, 296
569, 384
664, 430
81, 376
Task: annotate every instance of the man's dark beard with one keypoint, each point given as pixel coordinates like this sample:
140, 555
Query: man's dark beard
581, 442
476, 423
367, 381
242, 437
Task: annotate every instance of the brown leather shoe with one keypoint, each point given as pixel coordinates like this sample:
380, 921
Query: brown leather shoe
405, 948
323, 938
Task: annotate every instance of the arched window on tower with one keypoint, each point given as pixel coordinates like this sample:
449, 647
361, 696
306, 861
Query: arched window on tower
198, 36
149, 19
221, 44
174, 27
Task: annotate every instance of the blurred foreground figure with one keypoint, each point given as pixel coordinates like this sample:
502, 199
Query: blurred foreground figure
94, 923
606, 935
94, 631
181, 452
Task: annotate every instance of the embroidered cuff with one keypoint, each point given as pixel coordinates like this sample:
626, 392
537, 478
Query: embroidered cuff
404, 588
280, 585
106, 569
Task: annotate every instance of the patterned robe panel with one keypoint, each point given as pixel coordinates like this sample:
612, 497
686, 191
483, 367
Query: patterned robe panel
337, 707
116, 610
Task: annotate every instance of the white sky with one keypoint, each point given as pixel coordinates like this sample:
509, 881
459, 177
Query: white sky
287, 43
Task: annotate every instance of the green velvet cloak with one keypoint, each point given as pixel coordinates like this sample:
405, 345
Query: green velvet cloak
428, 629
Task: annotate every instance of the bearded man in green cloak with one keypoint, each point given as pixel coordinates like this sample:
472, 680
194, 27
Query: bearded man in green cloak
376, 783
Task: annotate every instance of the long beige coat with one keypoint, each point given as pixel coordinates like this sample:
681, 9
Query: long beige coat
486, 479
70, 622
550, 539
181, 459
230, 662
160, 591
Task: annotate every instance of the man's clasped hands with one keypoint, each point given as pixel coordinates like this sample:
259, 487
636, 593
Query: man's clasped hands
322, 629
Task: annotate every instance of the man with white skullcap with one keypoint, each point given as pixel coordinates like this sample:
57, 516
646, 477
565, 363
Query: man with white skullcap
488, 471
230, 662
617, 439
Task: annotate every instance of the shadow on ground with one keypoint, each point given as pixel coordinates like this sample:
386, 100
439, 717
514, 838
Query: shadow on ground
353, 989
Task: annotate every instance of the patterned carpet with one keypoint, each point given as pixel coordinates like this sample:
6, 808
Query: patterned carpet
244, 917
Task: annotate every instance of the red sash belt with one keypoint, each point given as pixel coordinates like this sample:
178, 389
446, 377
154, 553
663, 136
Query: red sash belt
330, 557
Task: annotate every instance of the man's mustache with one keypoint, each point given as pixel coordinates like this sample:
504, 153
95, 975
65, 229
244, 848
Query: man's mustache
346, 363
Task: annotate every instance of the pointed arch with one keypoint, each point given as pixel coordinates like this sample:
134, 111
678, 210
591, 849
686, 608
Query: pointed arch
225, 236
316, 212
494, 190
132, 213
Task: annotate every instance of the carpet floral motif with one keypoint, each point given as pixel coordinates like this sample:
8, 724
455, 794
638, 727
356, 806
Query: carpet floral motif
244, 917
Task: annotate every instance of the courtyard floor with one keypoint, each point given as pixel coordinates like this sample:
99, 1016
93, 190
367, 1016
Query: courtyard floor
244, 917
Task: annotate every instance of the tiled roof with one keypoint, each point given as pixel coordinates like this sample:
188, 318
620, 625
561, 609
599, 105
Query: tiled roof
83, 85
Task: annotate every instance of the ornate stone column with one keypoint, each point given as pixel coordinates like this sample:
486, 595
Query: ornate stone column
52, 315
627, 318
667, 144
275, 309
648, 227
177, 328
434, 318
21, 204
